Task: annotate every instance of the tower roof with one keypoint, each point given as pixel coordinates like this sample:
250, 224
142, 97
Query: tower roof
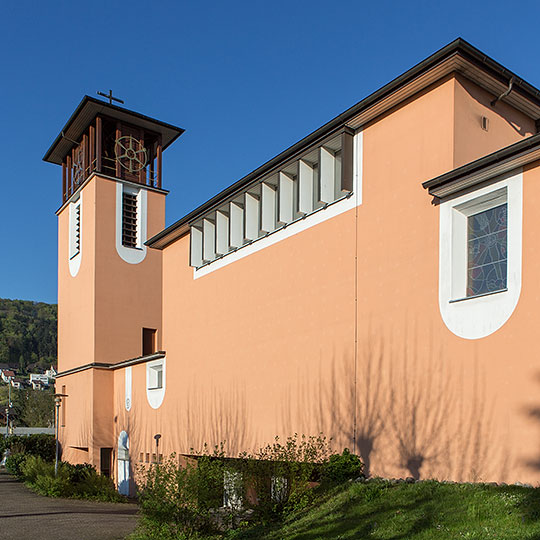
85, 113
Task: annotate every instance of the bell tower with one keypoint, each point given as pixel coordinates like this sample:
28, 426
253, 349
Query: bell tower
109, 283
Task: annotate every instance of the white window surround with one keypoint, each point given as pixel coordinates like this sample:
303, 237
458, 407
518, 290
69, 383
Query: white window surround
300, 224
128, 254
278, 489
478, 316
128, 382
232, 489
155, 395
74, 255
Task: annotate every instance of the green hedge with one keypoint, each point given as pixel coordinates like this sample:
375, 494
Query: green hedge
38, 444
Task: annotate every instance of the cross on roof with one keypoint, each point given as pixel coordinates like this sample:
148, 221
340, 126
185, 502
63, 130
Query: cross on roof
110, 97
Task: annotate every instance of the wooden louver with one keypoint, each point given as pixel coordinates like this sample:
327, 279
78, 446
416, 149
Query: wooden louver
129, 220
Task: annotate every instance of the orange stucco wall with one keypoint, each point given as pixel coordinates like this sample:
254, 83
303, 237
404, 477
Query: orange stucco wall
506, 125
335, 329
102, 312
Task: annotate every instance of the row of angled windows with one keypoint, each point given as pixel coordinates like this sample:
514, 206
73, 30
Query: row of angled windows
322, 176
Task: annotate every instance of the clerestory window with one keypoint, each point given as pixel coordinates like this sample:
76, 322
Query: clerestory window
309, 183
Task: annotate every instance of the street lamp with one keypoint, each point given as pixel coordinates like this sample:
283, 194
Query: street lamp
157, 437
57, 403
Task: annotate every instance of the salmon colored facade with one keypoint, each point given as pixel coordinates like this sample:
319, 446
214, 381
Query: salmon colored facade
347, 319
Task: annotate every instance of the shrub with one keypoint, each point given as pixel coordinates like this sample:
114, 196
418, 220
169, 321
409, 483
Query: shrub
38, 444
342, 467
176, 500
53, 486
14, 463
79, 481
180, 502
34, 467
280, 474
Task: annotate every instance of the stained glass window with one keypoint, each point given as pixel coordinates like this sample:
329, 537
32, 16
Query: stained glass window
487, 255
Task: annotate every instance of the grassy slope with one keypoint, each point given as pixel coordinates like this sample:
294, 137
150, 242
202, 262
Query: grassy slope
418, 511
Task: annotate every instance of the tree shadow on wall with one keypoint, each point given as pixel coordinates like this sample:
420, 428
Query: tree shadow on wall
217, 415
410, 407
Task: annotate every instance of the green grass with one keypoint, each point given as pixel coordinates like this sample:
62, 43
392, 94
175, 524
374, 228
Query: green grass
424, 510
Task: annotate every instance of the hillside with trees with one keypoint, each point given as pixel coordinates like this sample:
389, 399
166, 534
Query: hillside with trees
28, 334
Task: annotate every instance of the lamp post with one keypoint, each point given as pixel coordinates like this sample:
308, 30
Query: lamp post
157, 437
57, 403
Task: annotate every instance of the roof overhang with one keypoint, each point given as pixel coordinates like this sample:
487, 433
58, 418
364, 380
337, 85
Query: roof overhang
484, 169
458, 57
85, 113
107, 366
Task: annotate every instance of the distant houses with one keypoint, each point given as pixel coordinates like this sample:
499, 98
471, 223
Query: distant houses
7, 375
37, 381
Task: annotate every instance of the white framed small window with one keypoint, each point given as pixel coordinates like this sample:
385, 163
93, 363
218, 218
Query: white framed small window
155, 378
232, 489
480, 246
156, 382
278, 489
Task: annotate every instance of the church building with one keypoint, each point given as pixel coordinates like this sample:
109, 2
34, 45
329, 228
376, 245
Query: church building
376, 282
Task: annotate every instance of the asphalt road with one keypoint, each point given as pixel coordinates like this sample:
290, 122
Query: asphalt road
25, 515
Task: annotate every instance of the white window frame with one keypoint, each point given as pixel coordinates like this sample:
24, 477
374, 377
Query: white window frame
155, 377
460, 221
131, 255
75, 255
155, 394
232, 489
278, 489
475, 317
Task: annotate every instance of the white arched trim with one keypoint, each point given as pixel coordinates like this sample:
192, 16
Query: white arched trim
128, 387
478, 317
155, 385
74, 252
137, 254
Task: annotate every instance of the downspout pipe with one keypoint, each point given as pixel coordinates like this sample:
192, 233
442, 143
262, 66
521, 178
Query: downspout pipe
506, 92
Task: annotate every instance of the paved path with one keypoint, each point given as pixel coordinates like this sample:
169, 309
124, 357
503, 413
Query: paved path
25, 515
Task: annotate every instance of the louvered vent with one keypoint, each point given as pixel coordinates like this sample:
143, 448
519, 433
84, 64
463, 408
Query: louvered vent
129, 220
77, 246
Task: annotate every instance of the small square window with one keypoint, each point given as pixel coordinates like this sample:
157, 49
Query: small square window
155, 377
148, 341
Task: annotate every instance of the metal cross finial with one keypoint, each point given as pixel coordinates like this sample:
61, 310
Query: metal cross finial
110, 97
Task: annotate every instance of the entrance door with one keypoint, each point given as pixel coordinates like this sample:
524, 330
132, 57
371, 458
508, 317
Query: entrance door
123, 463
105, 461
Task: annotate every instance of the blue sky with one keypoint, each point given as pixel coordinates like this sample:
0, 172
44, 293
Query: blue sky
245, 79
